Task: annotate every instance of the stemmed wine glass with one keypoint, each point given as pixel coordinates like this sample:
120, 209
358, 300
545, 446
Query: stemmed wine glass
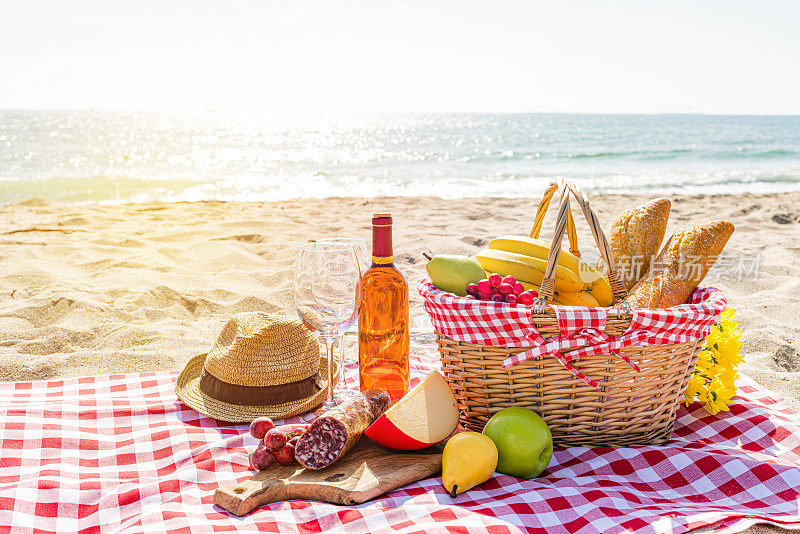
327, 295
360, 247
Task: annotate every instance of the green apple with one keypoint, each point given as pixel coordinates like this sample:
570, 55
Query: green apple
453, 273
524, 442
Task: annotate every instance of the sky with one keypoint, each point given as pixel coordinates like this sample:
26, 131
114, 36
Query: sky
726, 57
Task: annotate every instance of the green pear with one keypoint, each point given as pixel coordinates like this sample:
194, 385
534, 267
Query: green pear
453, 273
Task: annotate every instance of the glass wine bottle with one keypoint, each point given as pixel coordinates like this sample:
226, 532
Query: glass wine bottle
383, 342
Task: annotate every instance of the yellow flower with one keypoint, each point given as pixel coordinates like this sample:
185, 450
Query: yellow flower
716, 404
715, 337
728, 348
695, 388
720, 393
702, 395
727, 377
729, 315
713, 381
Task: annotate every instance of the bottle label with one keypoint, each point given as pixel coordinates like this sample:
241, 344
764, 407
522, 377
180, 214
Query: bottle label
382, 260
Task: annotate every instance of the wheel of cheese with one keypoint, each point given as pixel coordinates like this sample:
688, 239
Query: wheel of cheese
424, 416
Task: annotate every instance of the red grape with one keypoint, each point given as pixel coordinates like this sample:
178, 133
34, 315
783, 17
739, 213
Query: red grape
259, 427
533, 293
286, 455
495, 279
485, 295
498, 298
511, 299
525, 299
510, 280
505, 289
472, 289
484, 286
275, 440
518, 288
261, 458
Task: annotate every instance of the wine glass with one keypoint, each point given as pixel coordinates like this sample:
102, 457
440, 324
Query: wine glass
360, 247
327, 295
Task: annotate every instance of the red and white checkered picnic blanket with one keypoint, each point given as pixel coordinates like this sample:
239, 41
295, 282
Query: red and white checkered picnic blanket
500, 324
122, 454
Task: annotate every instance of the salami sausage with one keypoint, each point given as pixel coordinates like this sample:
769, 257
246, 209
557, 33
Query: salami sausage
334, 432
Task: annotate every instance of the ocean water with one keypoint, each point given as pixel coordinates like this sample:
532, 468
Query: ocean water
93, 156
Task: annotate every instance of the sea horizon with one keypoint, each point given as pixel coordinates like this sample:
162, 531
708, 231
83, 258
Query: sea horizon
104, 156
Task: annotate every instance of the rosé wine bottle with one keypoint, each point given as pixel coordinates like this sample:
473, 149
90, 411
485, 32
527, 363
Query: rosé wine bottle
383, 341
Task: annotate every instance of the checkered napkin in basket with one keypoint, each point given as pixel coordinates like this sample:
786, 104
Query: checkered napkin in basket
500, 324
121, 454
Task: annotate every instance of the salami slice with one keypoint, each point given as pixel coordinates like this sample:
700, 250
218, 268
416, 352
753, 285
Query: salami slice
332, 434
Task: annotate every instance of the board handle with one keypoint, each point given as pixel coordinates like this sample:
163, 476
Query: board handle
242, 498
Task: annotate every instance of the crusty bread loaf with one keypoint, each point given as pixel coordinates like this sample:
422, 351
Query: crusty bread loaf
635, 237
681, 266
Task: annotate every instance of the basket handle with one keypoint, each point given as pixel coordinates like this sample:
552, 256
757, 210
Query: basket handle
547, 289
541, 211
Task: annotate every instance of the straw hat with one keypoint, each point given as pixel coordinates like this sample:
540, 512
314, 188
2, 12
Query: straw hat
260, 365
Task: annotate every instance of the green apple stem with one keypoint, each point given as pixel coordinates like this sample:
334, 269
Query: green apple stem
453, 491
426, 256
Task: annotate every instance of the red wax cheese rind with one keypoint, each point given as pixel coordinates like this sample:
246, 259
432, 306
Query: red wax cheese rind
387, 434
425, 416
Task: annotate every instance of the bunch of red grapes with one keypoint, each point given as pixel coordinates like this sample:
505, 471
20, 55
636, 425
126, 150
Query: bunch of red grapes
277, 442
499, 289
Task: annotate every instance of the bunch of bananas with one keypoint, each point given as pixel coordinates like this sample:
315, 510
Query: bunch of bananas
577, 283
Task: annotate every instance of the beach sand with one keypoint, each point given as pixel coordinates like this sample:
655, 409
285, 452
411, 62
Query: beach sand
97, 289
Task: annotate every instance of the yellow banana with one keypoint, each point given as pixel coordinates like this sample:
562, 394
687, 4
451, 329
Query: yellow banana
536, 248
601, 291
528, 269
579, 298
574, 298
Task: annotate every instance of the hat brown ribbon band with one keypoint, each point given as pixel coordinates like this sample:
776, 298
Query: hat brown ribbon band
259, 395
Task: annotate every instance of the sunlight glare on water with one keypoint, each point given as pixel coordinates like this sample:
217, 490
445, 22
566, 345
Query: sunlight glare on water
86, 156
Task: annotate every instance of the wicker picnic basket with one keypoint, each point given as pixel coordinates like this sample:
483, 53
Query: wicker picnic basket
627, 408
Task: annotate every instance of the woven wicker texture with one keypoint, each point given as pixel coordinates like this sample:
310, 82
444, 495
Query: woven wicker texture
259, 349
630, 408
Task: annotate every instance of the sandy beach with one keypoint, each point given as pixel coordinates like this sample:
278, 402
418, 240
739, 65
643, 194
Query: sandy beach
162, 163
95, 289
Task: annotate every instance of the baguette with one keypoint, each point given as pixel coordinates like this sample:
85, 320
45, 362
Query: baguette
635, 237
681, 265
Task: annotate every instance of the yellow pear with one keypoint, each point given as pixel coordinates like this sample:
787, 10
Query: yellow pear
469, 459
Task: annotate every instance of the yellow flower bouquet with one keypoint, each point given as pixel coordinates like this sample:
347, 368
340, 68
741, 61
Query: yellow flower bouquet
714, 376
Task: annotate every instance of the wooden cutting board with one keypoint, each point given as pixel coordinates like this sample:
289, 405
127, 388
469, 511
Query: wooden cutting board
366, 471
